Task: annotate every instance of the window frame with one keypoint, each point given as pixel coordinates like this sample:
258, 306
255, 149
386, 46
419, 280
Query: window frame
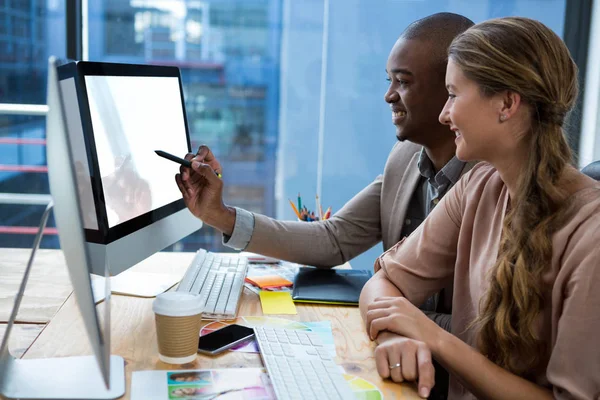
576, 35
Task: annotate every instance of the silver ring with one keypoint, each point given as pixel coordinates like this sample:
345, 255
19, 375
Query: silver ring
395, 366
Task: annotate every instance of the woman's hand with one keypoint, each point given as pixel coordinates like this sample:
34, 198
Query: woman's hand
400, 316
403, 359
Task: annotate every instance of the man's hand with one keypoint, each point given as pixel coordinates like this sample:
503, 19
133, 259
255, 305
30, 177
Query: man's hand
206, 156
202, 190
403, 359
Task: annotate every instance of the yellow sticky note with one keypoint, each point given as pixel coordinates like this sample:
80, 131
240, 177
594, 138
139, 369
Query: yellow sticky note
277, 302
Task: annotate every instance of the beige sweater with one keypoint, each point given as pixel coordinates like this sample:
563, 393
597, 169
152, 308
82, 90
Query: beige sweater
459, 242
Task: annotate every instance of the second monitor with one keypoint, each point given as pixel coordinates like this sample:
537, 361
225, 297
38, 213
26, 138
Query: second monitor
117, 115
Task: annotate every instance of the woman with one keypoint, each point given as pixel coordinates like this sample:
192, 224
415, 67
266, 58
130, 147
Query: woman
519, 235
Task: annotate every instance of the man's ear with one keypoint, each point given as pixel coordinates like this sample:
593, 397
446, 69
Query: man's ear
509, 104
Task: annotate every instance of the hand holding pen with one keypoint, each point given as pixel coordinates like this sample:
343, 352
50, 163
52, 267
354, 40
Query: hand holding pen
202, 190
188, 163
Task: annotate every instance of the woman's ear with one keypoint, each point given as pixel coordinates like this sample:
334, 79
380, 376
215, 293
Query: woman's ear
510, 102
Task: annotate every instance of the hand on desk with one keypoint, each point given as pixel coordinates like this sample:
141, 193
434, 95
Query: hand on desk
405, 336
403, 359
202, 190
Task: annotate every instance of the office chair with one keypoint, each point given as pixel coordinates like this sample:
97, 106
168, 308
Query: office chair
593, 170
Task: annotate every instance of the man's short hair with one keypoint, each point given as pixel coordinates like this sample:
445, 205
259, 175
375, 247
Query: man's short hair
438, 30
441, 26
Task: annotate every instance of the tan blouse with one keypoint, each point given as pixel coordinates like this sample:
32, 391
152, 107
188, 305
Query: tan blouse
459, 241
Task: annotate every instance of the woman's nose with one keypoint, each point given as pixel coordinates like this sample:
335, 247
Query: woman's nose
444, 117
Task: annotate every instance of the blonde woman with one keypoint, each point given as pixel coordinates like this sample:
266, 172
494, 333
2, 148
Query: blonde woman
518, 235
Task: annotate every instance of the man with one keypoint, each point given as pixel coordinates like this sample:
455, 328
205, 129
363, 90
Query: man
420, 169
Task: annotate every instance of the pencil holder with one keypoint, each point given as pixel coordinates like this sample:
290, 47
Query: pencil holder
306, 215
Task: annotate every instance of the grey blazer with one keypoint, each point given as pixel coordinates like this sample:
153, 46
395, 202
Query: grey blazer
375, 214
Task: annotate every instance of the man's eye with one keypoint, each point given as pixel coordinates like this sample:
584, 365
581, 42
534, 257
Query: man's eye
388, 79
451, 96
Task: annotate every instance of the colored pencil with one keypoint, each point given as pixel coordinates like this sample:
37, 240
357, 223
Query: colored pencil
319, 209
294, 208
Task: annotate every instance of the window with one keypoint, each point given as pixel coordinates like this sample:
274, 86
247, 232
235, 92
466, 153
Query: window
228, 54
252, 73
30, 32
348, 115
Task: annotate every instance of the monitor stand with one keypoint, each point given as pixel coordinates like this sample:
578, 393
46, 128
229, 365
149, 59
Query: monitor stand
54, 378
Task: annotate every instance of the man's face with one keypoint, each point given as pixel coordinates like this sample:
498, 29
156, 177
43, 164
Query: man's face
416, 92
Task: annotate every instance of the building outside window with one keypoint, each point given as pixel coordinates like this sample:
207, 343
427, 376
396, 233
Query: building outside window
288, 94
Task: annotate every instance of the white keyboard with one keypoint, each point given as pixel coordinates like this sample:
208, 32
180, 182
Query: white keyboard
219, 279
300, 366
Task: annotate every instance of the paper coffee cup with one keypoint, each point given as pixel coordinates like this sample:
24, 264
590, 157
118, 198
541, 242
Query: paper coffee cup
178, 320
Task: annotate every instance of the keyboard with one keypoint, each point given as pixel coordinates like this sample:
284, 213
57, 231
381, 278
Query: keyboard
300, 366
219, 280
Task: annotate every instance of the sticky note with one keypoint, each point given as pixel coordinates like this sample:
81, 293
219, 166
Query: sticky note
268, 281
277, 303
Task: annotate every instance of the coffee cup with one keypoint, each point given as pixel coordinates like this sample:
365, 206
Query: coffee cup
178, 321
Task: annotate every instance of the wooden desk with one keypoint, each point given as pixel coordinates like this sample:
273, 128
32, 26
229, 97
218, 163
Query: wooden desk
46, 291
133, 334
22, 336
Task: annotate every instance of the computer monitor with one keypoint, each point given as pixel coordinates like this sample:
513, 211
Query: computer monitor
117, 116
100, 376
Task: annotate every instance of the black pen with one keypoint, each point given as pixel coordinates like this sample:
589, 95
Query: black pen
178, 160
171, 157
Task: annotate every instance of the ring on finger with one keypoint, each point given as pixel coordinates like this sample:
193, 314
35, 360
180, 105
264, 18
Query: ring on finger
395, 366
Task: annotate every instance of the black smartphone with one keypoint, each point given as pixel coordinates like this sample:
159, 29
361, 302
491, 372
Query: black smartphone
224, 338
171, 157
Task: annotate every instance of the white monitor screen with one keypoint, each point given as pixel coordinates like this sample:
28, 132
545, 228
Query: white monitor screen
132, 116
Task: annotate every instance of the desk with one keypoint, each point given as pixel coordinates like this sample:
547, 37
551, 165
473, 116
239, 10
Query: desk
46, 291
133, 334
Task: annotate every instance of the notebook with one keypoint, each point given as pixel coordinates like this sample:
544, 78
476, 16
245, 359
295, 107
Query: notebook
329, 286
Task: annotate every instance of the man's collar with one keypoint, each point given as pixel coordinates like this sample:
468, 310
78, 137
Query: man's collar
451, 170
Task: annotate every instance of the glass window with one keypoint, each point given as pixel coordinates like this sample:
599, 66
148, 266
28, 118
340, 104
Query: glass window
30, 31
349, 111
252, 75
228, 54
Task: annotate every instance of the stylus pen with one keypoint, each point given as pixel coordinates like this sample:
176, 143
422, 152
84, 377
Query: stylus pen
171, 157
178, 160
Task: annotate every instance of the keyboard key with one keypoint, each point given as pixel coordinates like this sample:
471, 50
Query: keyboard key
299, 372
315, 340
219, 290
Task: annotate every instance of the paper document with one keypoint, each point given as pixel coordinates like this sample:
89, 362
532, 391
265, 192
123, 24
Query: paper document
231, 384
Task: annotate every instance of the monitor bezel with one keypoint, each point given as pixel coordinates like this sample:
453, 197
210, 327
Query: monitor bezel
79, 70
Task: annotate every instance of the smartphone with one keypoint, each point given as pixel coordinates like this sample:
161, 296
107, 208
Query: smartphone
224, 338
171, 157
